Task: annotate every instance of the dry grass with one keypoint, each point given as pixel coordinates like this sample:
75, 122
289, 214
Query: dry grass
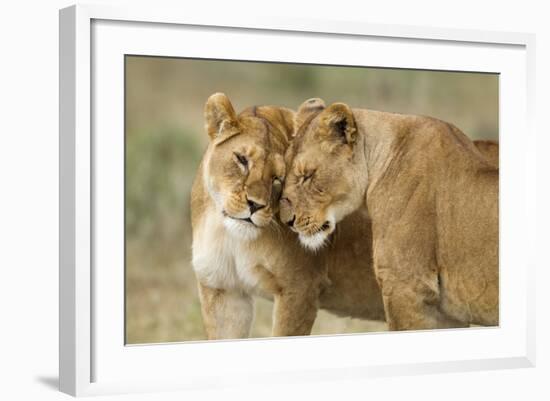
165, 140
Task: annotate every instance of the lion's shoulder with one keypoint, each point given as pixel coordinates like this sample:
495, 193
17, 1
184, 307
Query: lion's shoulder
428, 140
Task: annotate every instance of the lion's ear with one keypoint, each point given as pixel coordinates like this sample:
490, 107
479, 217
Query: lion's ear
288, 117
307, 110
220, 117
339, 122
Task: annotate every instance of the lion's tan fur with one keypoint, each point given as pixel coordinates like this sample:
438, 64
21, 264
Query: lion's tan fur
489, 149
267, 261
432, 198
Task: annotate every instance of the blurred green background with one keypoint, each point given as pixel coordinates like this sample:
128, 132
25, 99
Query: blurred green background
165, 140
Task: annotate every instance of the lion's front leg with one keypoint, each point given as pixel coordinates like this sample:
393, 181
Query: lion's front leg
294, 313
406, 265
226, 314
412, 302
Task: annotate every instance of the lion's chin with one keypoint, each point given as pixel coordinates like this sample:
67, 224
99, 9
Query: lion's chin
314, 242
241, 229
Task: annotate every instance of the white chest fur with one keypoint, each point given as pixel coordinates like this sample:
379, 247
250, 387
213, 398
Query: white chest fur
220, 259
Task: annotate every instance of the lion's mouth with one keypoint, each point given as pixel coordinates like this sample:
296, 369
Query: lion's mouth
318, 237
243, 219
242, 228
326, 227
247, 220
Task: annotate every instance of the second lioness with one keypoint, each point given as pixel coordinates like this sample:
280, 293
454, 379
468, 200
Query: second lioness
433, 202
239, 247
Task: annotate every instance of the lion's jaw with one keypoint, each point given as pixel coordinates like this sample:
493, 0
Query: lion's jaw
314, 242
241, 229
242, 225
317, 240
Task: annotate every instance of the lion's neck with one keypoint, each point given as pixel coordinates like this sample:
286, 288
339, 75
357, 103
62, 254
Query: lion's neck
379, 137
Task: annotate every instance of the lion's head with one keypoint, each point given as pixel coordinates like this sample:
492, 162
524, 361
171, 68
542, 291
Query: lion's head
321, 186
244, 163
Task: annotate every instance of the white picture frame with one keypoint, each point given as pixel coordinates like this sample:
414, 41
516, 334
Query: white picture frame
93, 357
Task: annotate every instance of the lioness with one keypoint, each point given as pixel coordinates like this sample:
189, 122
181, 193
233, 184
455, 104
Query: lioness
432, 198
241, 250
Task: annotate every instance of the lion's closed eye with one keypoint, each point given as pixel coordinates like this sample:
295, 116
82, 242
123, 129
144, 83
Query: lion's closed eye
307, 176
242, 161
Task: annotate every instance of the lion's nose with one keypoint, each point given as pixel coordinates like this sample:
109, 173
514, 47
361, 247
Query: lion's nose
253, 206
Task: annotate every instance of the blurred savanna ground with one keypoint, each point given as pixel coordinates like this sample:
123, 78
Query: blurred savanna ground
165, 140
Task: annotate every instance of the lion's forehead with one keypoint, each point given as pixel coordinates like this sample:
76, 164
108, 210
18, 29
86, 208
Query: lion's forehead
306, 161
255, 149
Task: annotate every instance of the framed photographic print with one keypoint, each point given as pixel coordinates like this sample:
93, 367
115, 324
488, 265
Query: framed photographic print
271, 200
